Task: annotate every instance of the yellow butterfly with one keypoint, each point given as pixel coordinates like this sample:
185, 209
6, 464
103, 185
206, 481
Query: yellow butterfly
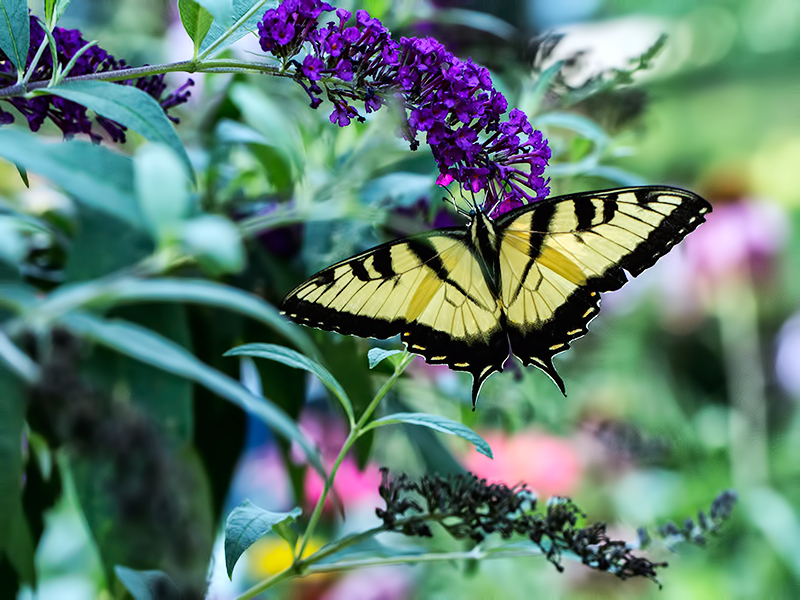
529, 281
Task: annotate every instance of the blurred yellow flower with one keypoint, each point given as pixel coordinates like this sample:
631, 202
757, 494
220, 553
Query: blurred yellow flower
271, 555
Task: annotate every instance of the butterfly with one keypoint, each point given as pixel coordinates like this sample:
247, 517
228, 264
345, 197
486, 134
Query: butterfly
528, 282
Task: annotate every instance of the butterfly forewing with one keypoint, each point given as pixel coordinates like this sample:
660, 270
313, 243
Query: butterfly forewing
428, 288
557, 255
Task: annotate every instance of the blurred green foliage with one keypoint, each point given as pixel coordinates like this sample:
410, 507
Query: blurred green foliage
126, 283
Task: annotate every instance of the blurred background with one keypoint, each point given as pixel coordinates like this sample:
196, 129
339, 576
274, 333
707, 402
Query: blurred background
687, 384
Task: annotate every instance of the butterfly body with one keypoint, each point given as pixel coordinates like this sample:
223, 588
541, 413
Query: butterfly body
528, 282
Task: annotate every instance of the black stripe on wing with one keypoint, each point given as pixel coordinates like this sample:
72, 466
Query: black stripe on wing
537, 345
479, 355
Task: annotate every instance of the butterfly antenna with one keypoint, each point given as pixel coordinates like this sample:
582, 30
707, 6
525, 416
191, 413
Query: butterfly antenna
496, 204
452, 199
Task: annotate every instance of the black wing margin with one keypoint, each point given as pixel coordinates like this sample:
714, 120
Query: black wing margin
556, 256
428, 288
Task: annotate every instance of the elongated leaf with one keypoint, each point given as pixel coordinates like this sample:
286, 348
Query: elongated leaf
220, 9
12, 421
125, 291
17, 361
246, 15
196, 20
21, 548
15, 31
577, 123
129, 106
147, 585
89, 257
437, 423
161, 189
149, 347
17, 296
290, 358
93, 174
53, 9
246, 524
378, 355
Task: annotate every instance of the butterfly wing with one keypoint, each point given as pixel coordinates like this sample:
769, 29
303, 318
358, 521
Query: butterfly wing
557, 255
428, 288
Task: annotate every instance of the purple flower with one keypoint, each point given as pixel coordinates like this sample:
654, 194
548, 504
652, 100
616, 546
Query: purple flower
344, 71
312, 67
341, 115
283, 33
452, 101
68, 116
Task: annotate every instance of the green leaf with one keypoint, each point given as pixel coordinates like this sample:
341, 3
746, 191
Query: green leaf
12, 421
266, 116
53, 9
437, 423
147, 585
128, 106
13, 247
532, 100
215, 242
17, 361
220, 9
89, 257
21, 548
129, 290
296, 360
93, 174
162, 189
245, 18
378, 355
153, 349
166, 398
246, 524
17, 296
15, 31
196, 20
23, 174
618, 176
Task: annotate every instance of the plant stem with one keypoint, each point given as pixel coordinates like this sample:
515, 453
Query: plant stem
186, 66
737, 308
307, 566
474, 554
354, 434
267, 583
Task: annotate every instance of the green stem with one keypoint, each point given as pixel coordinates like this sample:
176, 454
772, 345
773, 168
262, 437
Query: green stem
186, 66
307, 567
474, 554
267, 583
355, 433
737, 309
35, 61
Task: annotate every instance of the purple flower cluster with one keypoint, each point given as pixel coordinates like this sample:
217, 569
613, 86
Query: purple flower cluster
68, 116
451, 100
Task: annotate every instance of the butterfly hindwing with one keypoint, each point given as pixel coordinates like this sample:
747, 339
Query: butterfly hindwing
428, 288
556, 256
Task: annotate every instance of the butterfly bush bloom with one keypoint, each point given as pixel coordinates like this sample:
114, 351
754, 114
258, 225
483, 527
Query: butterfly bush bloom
354, 60
69, 116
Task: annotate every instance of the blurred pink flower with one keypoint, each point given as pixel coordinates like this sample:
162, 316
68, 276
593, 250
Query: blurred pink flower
742, 236
326, 429
549, 465
382, 583
352, 486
